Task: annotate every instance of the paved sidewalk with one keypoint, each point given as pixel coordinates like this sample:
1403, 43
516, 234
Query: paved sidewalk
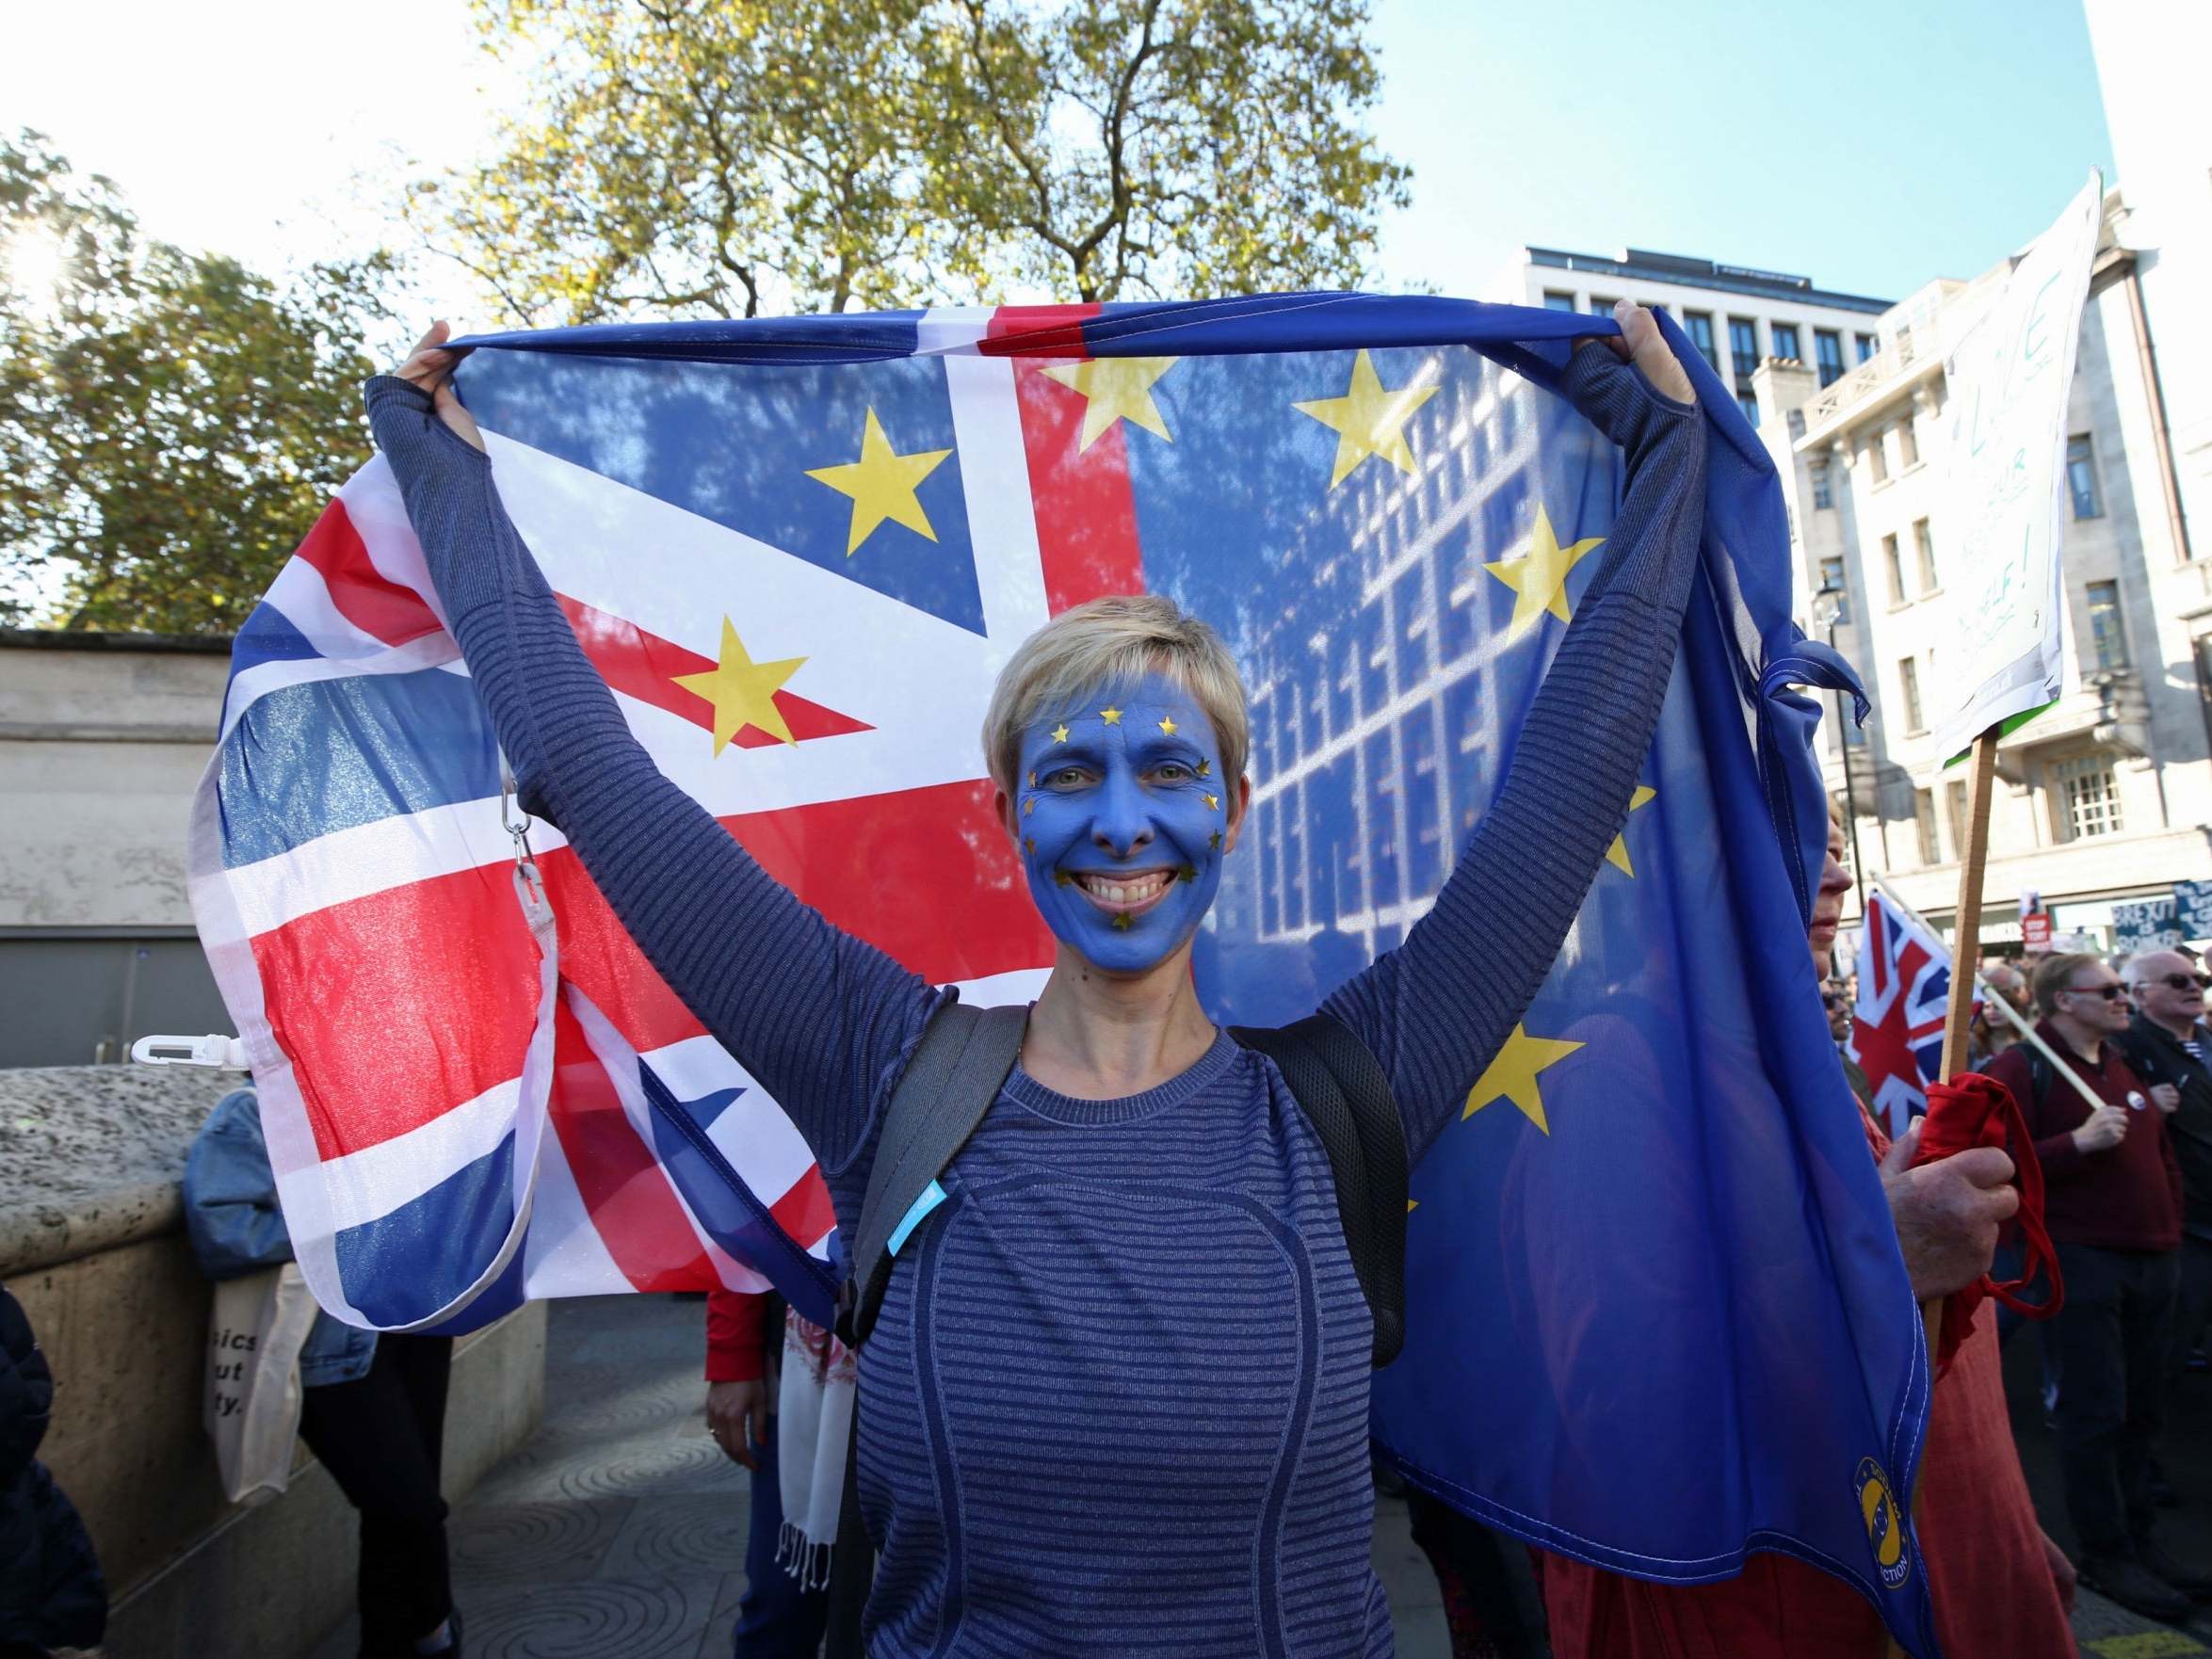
618, 1531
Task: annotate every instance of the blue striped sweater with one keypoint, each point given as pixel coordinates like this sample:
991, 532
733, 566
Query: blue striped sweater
1116, 1401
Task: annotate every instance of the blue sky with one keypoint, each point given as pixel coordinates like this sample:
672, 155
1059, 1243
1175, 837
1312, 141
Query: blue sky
1870, 146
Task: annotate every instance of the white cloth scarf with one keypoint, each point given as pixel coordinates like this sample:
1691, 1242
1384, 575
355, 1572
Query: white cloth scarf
814, 1428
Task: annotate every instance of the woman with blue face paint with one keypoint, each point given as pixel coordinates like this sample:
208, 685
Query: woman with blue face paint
1116, 1398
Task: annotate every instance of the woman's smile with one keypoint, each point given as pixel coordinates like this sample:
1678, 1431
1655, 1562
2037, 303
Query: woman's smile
1126, 892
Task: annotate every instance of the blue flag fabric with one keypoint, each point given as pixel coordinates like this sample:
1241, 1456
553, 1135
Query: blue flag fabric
1658, 1316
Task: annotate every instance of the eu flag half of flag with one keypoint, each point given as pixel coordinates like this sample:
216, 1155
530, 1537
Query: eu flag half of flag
1657, 1314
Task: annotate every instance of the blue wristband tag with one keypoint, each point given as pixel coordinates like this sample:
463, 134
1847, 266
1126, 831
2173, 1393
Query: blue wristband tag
931, 1197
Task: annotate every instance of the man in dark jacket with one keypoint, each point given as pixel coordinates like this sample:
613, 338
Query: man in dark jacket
2169, 1044
51, 1592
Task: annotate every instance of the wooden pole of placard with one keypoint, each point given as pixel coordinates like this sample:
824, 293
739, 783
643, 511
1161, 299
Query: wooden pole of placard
1981, 769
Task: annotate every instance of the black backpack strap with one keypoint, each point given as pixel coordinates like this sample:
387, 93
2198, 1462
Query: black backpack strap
963, 1062
2040, 1076
852, 1563
960, 1064
1345, 1093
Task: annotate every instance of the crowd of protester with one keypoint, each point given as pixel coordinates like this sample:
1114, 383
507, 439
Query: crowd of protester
2115, 1088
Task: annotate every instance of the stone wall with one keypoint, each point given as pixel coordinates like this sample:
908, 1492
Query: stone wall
91, 1243
103, 740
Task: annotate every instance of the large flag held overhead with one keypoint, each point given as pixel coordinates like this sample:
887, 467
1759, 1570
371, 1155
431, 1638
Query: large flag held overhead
1898, 1022
1657, 1314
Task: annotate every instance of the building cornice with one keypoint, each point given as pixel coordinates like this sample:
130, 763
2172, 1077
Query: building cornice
1684, 272
86, 639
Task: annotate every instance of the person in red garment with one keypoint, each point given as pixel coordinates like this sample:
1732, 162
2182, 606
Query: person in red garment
2002, 1589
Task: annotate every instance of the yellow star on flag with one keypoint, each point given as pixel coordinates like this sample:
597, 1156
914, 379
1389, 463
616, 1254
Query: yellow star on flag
1368, 420
1539, 576
743, 692
1116, 389
1617, 852
1512, 1075
881, 484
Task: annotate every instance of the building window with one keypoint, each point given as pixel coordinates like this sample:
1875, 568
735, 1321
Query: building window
1554, 300
1925, 544
1908, 443
1894, 562
1748, 401
1924, 820
2086, 800
1877, 456
1796, 422
1867, 346
1828, 352
2081, 478
1823, 493
2200, 653
1785, 336
1602, 305
1909, 687
1955, 801
2107, 639
1699, 327
1743, 345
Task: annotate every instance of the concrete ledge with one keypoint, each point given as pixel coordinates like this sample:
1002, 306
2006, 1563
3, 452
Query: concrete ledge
90, 1156
91, 1243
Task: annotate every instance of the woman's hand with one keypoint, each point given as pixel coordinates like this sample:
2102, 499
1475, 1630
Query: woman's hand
1642, 344
430, 366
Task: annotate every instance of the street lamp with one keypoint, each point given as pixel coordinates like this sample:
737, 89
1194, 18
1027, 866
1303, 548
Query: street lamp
1829, 610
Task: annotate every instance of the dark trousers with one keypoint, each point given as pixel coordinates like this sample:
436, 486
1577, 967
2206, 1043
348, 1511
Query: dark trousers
776, 1618
2195, 1304
1482, 1607
2110, 1342
382, 1437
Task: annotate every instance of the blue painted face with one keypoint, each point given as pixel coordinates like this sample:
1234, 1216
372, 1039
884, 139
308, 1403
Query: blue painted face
1123, 815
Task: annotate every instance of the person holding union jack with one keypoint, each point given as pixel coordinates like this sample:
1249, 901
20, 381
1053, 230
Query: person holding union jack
1116, 1400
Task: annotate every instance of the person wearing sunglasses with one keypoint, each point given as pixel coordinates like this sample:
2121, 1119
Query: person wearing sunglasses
2171, 1047
2112, 1202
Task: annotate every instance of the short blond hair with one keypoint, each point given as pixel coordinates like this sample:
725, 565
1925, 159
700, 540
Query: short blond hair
1107, 643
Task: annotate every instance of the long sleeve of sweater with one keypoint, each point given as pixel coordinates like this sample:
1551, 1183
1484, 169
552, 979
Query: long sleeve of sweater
819, 1017
1437, 1009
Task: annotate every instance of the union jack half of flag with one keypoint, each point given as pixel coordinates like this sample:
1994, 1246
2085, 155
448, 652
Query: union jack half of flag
1897, 1022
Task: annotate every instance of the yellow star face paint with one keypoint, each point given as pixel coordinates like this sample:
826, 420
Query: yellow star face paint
1117, 837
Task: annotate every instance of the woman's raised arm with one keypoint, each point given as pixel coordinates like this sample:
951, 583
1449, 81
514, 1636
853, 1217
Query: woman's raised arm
817, 1015
1436, 1011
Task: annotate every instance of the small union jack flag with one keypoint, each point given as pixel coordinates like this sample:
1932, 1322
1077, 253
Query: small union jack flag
1898, 1023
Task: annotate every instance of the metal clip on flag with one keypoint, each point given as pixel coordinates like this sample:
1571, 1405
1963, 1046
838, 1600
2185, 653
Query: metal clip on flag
224, 1052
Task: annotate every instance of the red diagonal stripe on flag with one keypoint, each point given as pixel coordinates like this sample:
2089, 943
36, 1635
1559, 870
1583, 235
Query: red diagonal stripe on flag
363, 594
632, 1207
644, 666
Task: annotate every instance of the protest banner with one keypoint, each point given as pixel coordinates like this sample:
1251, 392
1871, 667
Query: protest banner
2193, 906
2148, 925
2007, 385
